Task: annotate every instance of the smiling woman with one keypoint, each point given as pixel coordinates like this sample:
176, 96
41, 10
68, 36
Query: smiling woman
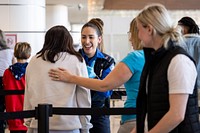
167, 59
99, 65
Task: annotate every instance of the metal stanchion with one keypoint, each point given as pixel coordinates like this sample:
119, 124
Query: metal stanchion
42, 114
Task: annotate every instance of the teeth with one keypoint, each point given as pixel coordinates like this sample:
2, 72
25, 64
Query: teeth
88, 46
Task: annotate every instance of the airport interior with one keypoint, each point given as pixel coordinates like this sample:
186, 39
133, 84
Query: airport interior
28, 21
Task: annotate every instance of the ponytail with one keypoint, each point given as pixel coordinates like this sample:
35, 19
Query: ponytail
173, 34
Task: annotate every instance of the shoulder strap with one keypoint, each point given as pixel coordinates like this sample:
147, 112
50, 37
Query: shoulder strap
109, 61
103, 64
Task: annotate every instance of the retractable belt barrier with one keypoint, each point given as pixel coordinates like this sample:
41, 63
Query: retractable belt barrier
44, 111
11, 92
67, 111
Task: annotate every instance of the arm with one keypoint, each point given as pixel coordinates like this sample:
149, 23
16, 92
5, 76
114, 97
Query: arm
117, 77
83, 99
5, 82
181, 76
27, 105
174, 116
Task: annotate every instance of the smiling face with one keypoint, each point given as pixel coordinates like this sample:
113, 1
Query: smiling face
90, 41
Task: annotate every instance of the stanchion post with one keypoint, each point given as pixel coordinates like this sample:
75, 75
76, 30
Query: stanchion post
42, 114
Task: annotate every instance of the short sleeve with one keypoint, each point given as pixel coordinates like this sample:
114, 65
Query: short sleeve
181, 75
134, 60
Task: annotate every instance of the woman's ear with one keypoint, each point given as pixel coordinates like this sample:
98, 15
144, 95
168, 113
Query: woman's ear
150, 29
99, 39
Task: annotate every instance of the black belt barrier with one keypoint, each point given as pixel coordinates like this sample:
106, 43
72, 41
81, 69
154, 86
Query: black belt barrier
44, 111
11, 92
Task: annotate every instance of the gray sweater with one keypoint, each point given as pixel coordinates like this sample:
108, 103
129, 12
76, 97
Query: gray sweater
41, 89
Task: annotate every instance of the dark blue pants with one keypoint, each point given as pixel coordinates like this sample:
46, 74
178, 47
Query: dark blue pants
101, 124
2, 108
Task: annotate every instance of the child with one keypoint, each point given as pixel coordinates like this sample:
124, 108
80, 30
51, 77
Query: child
14, 79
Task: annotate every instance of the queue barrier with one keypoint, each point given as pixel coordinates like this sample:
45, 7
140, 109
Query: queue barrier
44, 111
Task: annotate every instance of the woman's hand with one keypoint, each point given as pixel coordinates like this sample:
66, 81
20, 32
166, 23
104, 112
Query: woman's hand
60, 74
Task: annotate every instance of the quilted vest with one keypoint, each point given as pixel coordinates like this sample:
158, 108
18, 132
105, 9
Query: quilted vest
156, 103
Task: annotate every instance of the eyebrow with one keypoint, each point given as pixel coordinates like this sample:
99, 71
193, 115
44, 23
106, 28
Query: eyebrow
88, 35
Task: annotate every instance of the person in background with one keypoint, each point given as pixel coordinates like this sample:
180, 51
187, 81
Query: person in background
128, 71
131, 69
57, 51
14, 79
99, 65
190, 31
167, 95
6, 59
188, 26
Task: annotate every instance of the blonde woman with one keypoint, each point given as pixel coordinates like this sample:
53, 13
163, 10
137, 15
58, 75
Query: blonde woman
167, 94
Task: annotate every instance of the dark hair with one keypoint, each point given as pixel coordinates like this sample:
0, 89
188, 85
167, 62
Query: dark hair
97, 24
57, 39
22, 50
3, 44
190, 23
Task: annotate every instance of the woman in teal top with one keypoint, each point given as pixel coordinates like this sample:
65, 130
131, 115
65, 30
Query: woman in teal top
128, 71
135, 62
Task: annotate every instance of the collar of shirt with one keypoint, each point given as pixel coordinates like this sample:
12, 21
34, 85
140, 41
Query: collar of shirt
89, 61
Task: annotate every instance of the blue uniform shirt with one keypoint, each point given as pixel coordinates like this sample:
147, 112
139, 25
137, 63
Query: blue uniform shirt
104, 73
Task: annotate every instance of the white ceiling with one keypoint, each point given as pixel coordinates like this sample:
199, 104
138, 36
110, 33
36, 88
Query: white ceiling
77, 9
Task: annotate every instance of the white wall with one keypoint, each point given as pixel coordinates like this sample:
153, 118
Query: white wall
25, 19
117, 24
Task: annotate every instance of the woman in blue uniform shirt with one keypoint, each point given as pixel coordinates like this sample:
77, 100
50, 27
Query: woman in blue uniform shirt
99, 65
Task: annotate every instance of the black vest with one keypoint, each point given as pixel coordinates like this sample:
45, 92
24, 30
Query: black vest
157, 100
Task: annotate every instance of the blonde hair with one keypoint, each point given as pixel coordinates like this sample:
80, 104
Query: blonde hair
22, 50
134, 35
158, 17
